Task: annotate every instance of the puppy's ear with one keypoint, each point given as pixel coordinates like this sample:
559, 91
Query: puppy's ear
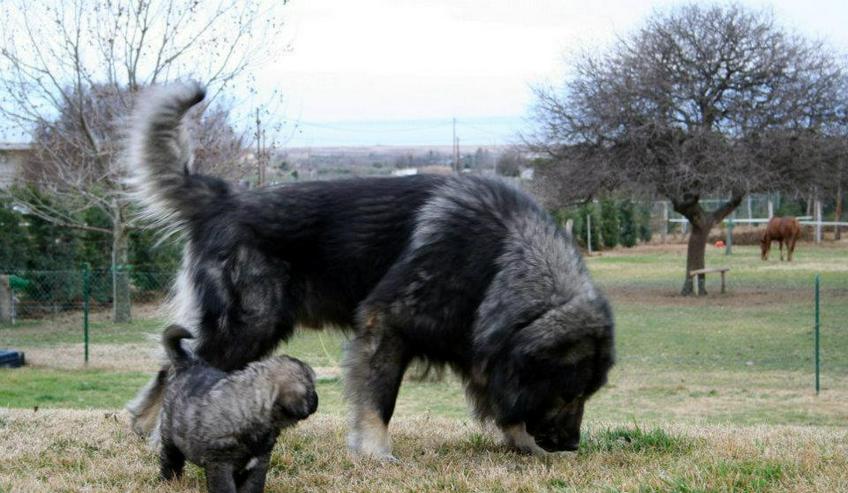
302, 407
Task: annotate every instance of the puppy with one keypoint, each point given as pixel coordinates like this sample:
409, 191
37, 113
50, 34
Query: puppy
228, 423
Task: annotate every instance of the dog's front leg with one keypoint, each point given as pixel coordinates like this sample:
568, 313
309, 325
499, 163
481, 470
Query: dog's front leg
171, 461
219, 478
253, 480
376, 361
516, 437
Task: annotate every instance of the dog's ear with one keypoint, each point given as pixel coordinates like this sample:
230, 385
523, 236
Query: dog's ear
295, 383
301, 407
565, 353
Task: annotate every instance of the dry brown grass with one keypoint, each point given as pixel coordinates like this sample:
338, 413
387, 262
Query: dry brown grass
118, 357
65, 450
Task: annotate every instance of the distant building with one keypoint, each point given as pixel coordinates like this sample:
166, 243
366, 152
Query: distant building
436, 169
12, 158
405, 172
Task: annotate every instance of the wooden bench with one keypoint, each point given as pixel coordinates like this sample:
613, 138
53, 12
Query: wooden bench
720, 270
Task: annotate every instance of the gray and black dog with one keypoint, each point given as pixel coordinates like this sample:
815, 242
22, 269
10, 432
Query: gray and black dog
460, 271
228, 423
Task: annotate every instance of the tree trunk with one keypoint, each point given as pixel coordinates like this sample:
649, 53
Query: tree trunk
695, 251
837, 233
5, 300
702, 222
121, 306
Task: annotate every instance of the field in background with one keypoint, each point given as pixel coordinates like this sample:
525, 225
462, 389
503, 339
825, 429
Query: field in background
721, 373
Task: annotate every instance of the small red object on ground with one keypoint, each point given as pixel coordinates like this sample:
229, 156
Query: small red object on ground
719, 244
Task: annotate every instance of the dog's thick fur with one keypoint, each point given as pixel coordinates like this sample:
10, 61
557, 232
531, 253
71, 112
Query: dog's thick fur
462, 271
228, 423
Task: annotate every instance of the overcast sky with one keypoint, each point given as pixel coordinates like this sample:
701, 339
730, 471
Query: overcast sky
397, 71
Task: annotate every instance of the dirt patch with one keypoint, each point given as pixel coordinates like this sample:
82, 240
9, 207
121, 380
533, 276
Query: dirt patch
668, 297
119, 357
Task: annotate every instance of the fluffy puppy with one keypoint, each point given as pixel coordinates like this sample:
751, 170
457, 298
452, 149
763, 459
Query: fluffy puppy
228, 423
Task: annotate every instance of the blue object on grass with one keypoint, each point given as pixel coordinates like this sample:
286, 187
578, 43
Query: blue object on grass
11, 359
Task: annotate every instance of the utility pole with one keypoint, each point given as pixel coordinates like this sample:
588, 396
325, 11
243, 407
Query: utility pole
260, 148
454, 148
457, 155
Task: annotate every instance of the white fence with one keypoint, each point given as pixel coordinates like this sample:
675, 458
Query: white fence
815, 221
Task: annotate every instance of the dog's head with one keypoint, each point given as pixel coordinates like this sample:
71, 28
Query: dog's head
294, 382
551, 368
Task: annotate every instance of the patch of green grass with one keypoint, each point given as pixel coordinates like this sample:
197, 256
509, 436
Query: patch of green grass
320, 348
635, 440
69, 330
738, 338
750, 475
76, 389
84, 389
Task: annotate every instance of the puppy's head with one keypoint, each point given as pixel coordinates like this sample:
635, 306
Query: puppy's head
294, 382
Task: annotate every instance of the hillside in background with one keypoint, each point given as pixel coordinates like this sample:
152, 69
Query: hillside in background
310, 163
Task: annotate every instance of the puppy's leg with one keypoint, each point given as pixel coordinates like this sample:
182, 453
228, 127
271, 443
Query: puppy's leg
376, 361
219, 478
171, 462
253, 479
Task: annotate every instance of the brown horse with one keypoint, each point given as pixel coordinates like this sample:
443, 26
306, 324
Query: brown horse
782, 229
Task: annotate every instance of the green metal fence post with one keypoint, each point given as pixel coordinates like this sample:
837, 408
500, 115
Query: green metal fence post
818, 325
86, 294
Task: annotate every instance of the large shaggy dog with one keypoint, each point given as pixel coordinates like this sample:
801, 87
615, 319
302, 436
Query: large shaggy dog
462, 271
228, 423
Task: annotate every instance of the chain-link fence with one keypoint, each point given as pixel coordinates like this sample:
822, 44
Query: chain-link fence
40, 294
66, 318
69, 299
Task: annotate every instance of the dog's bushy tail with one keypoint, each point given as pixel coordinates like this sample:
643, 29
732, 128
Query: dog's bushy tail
159, 155
172, 340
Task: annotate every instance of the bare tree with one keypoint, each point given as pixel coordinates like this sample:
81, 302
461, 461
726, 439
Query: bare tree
693, 103
70, 70
510, 162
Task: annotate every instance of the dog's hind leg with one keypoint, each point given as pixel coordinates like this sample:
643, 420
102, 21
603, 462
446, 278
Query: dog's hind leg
375, 364
171, 462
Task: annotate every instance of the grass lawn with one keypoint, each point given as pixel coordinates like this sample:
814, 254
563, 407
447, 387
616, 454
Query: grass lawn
728, 378
73, 450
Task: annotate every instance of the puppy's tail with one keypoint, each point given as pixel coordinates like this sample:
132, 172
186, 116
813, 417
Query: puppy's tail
172, 340
159, 155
